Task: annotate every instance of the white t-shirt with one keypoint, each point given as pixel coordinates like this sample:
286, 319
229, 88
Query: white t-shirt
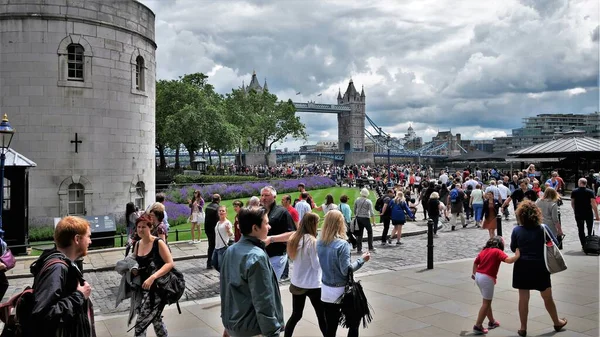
444, 178
307, 270
222, 228
327, 208
477, 196
504, 191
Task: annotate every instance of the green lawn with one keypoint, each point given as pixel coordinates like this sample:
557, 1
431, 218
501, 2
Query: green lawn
318, 196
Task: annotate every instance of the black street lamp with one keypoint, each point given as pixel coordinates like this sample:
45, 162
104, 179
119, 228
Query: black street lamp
6, 135
388, 141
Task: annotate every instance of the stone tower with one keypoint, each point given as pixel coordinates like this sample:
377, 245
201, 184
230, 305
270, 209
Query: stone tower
77, 80
351, 125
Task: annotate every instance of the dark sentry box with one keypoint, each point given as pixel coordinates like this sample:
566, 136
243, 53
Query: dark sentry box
103, 228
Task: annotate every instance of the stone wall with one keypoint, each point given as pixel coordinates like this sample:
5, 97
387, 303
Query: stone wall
111, 116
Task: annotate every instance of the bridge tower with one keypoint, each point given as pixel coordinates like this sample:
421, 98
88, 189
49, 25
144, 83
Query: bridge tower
351, 125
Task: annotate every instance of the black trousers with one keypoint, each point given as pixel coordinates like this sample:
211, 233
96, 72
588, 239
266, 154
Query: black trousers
589, 220
298, 301
436, 220
364, 223
424, 209
210, 234
332, 317
386, 227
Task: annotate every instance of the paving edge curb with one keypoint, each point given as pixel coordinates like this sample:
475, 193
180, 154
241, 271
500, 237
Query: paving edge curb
200, 256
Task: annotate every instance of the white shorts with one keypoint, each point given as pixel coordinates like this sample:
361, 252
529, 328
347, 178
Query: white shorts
198, 217
486, 285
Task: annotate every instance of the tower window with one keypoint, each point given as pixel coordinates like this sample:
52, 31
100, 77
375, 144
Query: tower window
139, 73
75, 62
7, 189
140, 195
76, 199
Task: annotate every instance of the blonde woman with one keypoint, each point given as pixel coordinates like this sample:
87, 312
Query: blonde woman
399, 209
306, 274
334, 256
548, 205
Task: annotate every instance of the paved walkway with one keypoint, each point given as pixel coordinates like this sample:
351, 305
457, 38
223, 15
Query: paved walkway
415, 302
105, 259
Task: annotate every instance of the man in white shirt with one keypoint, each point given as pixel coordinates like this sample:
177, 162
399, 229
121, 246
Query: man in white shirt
492, 188
443, 177
302, 207
504, 193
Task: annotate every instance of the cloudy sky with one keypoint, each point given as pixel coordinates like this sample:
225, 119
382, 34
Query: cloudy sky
475, 67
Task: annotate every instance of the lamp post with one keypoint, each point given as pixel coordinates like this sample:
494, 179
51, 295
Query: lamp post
6, 135
388, 141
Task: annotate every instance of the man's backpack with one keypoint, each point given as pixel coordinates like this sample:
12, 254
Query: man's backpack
454, 195
379, 204
16, 312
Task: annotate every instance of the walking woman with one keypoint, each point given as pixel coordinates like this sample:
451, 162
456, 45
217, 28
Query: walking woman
365, 216
491, 207
197, 215
131, 216
399, 209
334, 256
549, 206
306, 274
476, 204
433, 208
530, 271
327, 206
154, 260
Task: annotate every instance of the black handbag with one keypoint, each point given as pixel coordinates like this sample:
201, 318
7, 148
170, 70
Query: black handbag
354, 305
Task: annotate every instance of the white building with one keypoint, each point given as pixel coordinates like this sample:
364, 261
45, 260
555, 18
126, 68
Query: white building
77, 80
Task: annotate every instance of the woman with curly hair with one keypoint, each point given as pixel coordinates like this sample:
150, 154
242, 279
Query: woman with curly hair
530, 272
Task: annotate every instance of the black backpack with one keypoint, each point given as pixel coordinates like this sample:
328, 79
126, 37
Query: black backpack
16, 312
379, 204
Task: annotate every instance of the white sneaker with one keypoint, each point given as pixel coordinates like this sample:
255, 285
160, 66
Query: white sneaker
192, 242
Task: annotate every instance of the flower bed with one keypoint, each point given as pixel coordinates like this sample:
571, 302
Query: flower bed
244, 190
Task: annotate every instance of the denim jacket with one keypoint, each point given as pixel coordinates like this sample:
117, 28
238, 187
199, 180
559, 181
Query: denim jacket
335, 261
250, 297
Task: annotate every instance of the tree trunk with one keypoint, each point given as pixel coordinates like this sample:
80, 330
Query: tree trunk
192, 155
161, 153
240, 156
177, 166
219, 152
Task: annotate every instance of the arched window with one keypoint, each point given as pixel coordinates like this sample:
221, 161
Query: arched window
140, 192
76, 199
75, 62
139, 73
6, 201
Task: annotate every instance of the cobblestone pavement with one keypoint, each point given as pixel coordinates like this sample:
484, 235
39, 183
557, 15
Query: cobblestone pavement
449, 245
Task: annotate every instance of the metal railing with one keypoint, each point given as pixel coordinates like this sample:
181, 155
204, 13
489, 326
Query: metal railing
120, 237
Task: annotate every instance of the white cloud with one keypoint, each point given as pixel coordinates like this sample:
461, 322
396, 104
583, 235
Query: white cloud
475, 67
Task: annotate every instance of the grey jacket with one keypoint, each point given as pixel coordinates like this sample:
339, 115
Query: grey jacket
130, 286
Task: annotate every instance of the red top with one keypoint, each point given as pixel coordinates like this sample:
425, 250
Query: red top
488, 261
294, 213
236, 230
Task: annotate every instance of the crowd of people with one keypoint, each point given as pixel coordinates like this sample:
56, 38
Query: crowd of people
253, 252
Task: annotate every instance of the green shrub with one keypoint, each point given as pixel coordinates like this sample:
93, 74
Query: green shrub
208, 179
44, 233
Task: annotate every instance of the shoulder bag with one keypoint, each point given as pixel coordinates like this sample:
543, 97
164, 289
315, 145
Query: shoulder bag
228, 243
555, 262
354, 305
8, 259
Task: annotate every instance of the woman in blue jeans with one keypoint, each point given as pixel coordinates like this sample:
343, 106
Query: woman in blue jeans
334, 257
476, 204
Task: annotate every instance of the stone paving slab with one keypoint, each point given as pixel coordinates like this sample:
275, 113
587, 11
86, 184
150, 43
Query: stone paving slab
415, 302
105, 259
